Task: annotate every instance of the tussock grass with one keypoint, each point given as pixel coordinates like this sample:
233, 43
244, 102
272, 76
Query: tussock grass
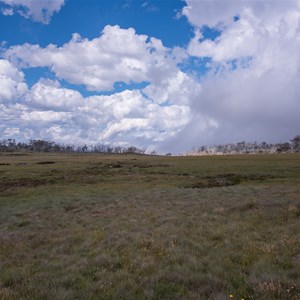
136, 227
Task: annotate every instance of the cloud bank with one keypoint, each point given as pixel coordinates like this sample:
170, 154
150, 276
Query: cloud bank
52, 112
251, 89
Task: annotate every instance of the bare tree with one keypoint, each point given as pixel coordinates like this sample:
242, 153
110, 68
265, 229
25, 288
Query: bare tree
296, 143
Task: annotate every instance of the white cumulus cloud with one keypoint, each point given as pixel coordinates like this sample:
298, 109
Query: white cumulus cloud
49, 94
12, 85
263, 28
52, 112
220, 13
117, 55
37, 10
140, 117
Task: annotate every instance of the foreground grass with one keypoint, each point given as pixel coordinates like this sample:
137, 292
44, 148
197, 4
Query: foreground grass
138, 227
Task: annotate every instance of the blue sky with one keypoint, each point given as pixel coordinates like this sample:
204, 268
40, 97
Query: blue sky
164, 74
89, 17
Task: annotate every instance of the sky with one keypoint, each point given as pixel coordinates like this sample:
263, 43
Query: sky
166, 75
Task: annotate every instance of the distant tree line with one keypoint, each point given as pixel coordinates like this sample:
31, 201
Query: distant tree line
249, 148
11, 145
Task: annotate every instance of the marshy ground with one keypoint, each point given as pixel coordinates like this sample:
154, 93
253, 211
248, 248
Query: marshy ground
91, 226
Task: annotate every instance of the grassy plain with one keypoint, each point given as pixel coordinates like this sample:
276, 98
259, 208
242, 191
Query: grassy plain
88, 226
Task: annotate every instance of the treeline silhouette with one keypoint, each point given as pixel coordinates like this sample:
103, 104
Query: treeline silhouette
249, 148
11, 145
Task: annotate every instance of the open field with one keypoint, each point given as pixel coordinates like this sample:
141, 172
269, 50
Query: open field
88, 226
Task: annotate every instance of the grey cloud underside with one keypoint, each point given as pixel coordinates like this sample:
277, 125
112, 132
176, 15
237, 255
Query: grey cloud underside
256, 100
251, 91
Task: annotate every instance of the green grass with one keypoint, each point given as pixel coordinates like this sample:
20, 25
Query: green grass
91, 226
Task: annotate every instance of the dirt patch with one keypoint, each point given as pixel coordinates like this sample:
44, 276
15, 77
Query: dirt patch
114, 166
223, 180
45, 163
8, 185
145, 166
107, 169
16, 154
